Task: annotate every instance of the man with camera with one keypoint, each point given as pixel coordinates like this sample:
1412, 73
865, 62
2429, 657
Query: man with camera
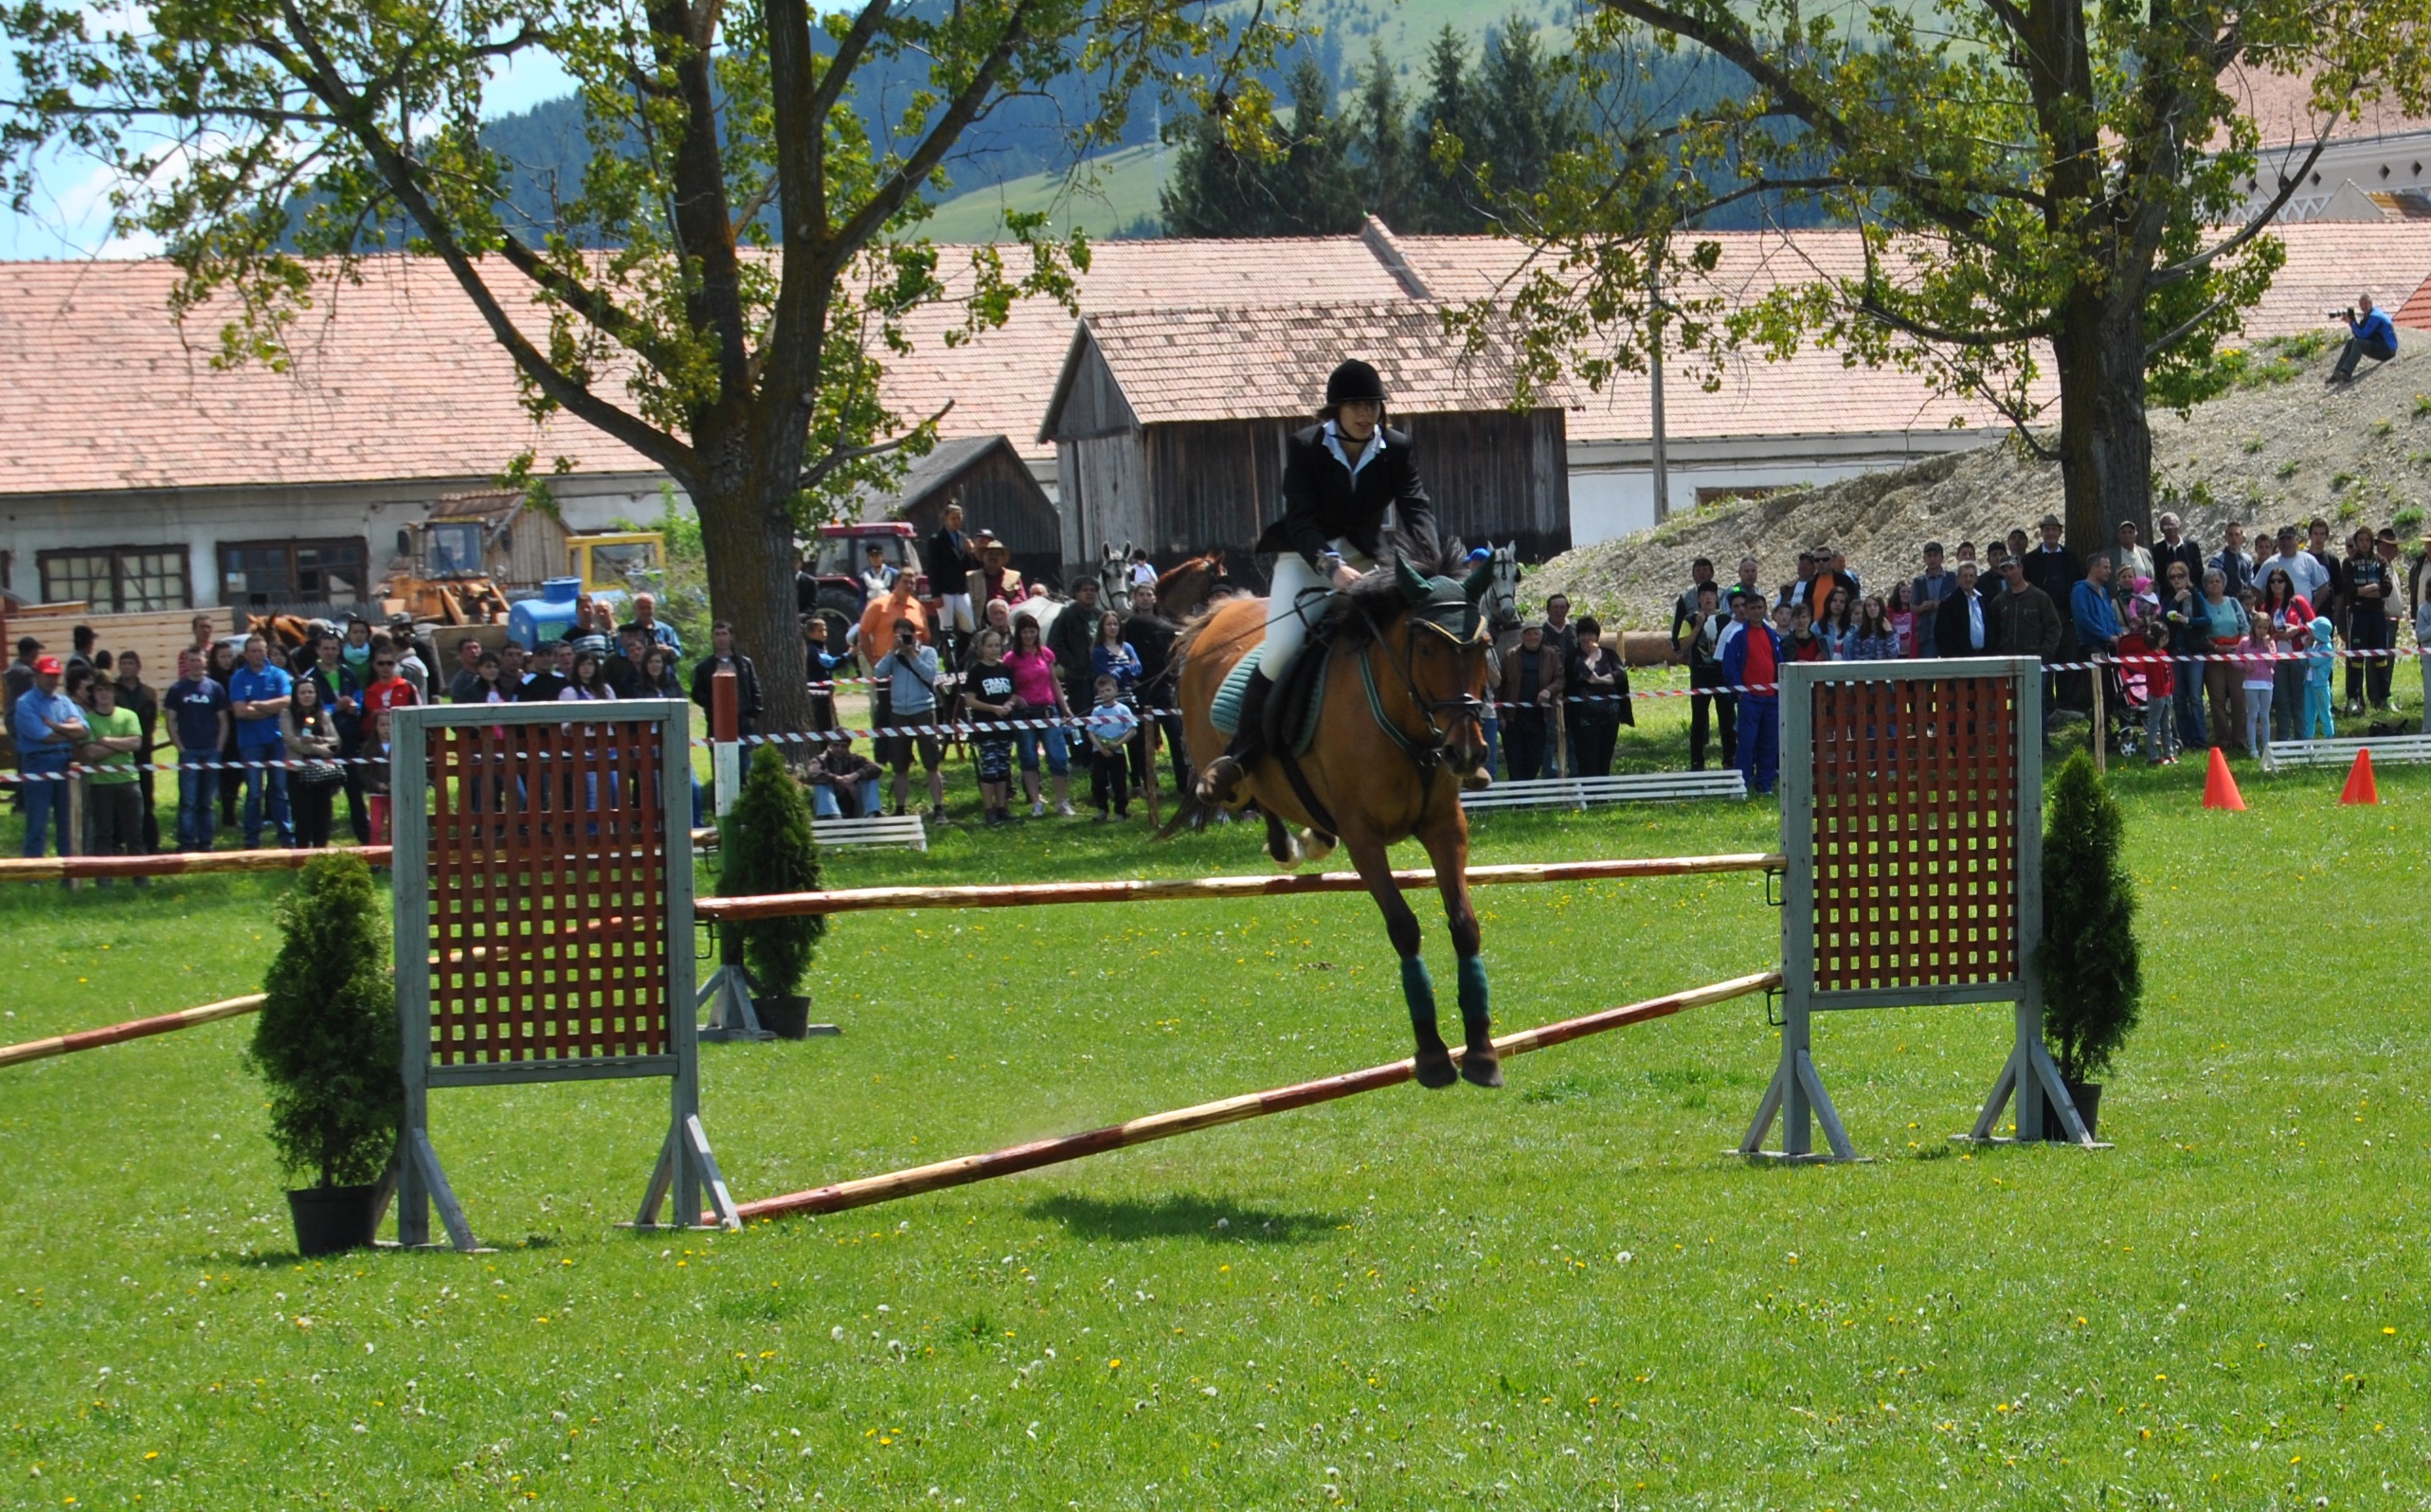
2370, 333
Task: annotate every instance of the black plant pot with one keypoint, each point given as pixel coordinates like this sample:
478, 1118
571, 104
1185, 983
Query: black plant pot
334, 1220
2088, 1098
785, 1017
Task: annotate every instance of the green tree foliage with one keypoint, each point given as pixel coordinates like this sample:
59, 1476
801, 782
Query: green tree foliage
2092, 977
1388, 161
759, 195
1449, 120
325, 1040
1474, 138
1298, 184
2044, 187
766, 845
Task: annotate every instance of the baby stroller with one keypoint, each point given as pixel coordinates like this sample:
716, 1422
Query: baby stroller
2129, 693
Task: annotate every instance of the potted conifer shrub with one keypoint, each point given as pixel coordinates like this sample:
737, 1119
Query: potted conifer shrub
765, 845
2092, 981
326, 1044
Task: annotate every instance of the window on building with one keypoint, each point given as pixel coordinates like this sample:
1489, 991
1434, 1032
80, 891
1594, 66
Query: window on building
273, 574
118, 579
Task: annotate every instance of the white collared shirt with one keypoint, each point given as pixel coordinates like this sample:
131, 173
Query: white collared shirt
1334, 444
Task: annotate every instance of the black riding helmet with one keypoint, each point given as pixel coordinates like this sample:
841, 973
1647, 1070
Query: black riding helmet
1353, 380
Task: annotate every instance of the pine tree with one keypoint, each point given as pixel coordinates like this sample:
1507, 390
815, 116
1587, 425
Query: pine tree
1383, 156
1524, 116
1446, 202
1214, 190
2093, 979
1315, 194
1308, 190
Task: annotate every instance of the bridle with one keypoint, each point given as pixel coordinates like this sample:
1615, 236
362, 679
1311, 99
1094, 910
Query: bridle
1426, 752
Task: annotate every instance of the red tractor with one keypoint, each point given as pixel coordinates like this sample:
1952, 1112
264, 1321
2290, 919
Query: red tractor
830, 584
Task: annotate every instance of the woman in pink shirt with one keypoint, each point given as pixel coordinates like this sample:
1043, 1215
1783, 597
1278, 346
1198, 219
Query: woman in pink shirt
1039, 695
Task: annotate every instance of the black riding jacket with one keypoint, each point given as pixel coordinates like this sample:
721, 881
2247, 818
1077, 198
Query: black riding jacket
1321, 502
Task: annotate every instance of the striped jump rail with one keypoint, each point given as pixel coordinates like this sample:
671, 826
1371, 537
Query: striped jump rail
1178, 890
1019, 1157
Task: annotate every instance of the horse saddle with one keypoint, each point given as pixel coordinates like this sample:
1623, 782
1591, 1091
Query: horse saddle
1291, 708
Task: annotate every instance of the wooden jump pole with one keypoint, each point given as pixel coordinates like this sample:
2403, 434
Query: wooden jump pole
182, 863
862, 900
1019, 1157
605, 930
198, 863
132, 1029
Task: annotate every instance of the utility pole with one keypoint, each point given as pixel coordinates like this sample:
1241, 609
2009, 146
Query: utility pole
1654, 383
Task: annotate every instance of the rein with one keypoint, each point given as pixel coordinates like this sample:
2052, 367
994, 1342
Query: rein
1426, 755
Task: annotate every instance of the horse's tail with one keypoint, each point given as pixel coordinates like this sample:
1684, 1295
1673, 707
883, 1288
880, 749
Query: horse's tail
1188, 814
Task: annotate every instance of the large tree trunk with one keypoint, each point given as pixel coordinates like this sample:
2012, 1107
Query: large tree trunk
747, 533
2105, 436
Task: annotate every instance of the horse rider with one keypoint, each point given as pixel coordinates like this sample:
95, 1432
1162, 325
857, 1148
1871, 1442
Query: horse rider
1344, 482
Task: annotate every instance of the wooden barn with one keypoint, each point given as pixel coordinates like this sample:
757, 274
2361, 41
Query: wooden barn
1169, 426
997, 491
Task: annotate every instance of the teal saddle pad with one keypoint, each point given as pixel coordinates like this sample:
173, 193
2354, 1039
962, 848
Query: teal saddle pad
1226, 711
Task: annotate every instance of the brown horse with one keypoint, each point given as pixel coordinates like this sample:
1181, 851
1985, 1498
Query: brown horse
1181, 592
1397, 729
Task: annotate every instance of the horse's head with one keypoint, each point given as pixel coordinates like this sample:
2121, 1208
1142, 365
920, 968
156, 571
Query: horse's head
1114, 577
1447, 640
1499, 598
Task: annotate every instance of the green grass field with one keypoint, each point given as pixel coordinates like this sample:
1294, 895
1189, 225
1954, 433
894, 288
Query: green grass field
1560, 1296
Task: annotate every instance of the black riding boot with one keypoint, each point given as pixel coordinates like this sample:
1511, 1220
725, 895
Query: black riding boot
1222, 785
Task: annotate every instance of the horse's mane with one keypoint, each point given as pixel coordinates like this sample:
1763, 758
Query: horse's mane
1377, 601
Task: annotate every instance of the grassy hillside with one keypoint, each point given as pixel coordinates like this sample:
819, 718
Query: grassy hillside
1108, 196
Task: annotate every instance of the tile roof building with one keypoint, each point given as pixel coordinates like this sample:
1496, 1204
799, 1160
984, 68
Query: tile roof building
1169, 424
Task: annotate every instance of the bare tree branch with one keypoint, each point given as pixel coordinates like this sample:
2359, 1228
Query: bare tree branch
838, 456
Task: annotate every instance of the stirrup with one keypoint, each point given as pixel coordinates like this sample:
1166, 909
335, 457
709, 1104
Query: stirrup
1223, 784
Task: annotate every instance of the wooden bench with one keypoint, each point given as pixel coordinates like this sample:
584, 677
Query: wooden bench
1578, 792
2342, 752
875, 829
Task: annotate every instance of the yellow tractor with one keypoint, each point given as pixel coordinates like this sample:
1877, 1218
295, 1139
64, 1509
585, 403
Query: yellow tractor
607, 563
476, 552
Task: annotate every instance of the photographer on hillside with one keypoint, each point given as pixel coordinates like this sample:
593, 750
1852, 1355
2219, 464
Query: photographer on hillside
2370, 333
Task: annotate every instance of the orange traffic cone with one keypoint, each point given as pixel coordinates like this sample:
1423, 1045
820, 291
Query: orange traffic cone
2219, 787
2360, 786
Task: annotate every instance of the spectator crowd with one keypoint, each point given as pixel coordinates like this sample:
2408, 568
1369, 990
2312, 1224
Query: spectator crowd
2237, 647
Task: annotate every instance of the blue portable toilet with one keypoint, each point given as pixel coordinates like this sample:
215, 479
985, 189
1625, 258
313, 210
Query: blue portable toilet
547, 617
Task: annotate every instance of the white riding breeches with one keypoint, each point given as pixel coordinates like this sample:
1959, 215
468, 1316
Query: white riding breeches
957, 610
1297, 600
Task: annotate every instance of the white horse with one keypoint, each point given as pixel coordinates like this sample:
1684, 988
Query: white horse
1501, 605
1113, 591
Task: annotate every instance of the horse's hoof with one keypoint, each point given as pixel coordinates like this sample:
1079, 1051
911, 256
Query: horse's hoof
1435, 1070
1482, 1066
1315, 847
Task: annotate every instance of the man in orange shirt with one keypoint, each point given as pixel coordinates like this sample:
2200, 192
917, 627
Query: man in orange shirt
877, 638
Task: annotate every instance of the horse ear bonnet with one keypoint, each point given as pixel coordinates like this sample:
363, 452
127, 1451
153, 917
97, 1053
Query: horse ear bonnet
1444, 604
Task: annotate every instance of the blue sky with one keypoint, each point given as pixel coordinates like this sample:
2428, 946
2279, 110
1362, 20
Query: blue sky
68, 218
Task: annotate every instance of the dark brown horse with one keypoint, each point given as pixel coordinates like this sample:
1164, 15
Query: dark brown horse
1397, 731
1181, 592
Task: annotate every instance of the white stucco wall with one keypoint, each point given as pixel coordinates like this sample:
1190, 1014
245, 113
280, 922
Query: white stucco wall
202, 519
1611, 483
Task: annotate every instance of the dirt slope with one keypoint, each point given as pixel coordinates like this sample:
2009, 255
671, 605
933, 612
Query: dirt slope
2268, 453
